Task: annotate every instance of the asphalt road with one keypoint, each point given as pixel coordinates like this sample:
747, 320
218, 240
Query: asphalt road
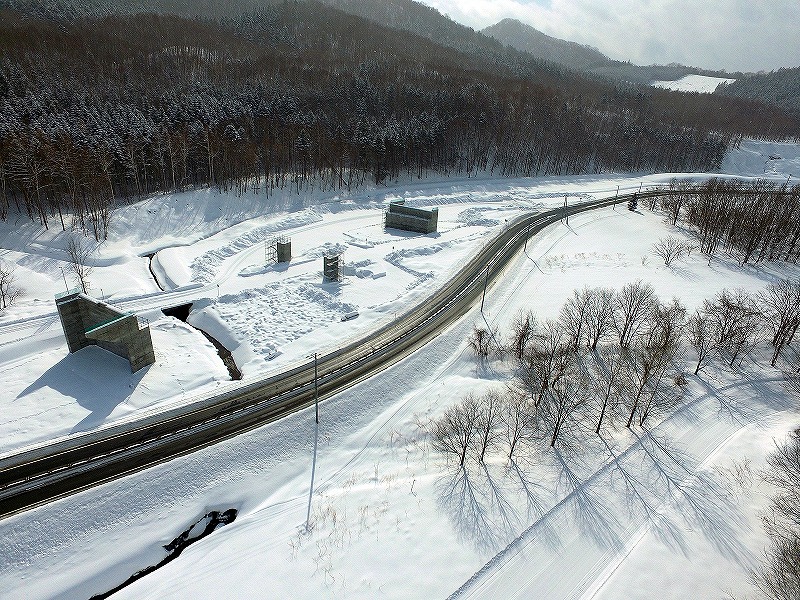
35, 477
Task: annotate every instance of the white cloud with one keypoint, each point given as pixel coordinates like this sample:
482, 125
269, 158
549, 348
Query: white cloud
717, 34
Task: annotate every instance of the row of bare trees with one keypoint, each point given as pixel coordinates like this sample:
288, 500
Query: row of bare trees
612, 358
778, 578
753, 220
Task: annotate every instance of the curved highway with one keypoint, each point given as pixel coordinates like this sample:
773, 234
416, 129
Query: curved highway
38, 476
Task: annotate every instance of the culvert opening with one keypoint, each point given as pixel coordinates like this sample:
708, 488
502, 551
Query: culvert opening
181, 312
204, 526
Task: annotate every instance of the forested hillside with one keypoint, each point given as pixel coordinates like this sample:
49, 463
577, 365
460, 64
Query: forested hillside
96, 109
780, 88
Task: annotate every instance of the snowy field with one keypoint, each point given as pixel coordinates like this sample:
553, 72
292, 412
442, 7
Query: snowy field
693, 83
361, 507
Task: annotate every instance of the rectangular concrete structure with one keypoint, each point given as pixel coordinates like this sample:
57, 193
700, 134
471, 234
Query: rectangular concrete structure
89, 322
284, 247
411, 219
332, 268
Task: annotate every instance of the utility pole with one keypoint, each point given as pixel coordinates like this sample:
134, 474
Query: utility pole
566, 214
485, 283
65, 278
316, 390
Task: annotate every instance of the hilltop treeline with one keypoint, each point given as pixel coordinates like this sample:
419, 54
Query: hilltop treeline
780, 88
95, 110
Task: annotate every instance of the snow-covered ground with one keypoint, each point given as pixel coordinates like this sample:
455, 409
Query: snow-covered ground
693, 83
387, 517
775, 160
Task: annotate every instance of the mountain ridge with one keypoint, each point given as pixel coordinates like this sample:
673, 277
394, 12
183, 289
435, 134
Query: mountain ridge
526, 38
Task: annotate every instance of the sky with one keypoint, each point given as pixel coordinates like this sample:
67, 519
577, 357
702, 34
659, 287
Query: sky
734, 35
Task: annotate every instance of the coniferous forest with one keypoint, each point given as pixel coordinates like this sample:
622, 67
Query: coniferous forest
95, 110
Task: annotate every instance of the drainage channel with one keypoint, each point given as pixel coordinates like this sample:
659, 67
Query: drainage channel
153, 273
204, 526
181, 312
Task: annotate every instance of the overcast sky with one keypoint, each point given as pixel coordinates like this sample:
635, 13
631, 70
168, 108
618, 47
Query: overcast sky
746, 35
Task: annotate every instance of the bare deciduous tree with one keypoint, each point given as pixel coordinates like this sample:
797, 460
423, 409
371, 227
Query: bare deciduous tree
79, 252
650, 358
735, 321
519, 420
564, 404
546, 360
633, 306
780, 305
702, 337
779, 575
488, 423
574, 314
599, 316
522, 328
607, 371
9, 292
455, 431
670, 249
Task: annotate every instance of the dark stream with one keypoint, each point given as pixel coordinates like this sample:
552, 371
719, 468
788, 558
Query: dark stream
204, 526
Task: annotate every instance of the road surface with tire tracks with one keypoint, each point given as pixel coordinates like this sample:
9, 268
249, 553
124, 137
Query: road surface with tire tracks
34, 477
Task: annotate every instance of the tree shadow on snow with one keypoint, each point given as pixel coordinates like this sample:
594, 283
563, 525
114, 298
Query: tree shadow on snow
592, 513
97, 380
479, 504
700, 497
745, 408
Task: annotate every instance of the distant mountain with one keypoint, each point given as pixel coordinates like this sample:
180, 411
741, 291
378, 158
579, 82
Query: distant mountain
587, 59
425, 21
525, 38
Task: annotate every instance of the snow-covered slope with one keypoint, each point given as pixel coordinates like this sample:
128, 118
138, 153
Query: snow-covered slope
693, 83
774, 160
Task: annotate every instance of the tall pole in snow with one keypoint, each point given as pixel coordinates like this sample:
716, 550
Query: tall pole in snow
485, 283
566, 214
316, 390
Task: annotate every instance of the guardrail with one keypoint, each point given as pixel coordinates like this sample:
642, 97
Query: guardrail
39, 475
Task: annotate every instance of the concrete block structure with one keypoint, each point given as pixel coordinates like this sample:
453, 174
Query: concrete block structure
278, 250
90, 322
332, 267
411, 219
284, 249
